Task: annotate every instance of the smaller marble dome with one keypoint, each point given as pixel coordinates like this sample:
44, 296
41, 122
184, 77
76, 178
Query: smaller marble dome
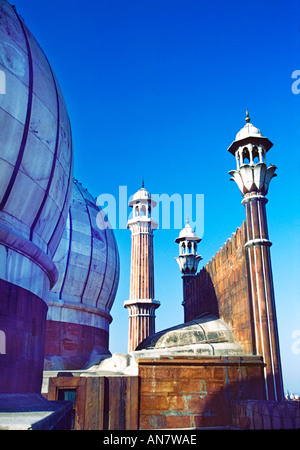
142, 204
205, 335
87, 260
87, 257
187, 233
248, 130
142, 195
249, 133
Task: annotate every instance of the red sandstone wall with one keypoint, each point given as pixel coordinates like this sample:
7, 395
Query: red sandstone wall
72, 342
23, 320
222, 288
196, 392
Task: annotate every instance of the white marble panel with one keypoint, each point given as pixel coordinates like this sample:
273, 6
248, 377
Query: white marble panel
38, 56
43, 124
16, 98
11, 132
44, 88
6, 170
37, 161
64, 153
59, 186
48, 217
11, 26
26, 197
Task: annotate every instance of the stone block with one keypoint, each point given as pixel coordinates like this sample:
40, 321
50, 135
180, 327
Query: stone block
33, 412
159, 386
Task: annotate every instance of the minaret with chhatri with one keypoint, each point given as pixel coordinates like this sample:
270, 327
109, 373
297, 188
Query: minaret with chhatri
142, 304
253, 178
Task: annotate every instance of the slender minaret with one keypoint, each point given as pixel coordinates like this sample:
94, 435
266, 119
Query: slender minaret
188, 258
253, 177
141, 305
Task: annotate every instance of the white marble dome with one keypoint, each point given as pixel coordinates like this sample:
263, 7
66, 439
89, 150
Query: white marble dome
249, 133
187, 233
87, 260
35, 152
248, 130
143, 196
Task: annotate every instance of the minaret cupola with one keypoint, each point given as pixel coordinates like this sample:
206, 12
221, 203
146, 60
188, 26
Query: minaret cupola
188, 258
250, 148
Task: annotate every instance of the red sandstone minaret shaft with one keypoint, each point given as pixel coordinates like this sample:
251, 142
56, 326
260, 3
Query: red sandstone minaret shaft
141, 305
253, 177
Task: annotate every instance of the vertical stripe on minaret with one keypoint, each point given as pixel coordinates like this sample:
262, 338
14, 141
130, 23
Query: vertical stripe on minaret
141, 306
253, 178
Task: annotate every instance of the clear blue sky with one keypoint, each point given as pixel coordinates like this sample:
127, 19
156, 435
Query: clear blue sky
159, 88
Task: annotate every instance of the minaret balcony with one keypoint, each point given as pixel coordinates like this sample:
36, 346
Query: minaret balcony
188, 263
253, 177
143, 220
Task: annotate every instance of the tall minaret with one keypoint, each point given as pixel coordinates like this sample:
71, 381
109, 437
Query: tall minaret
141, 305
253, 177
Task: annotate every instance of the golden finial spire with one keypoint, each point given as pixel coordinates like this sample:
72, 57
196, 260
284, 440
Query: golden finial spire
247, 116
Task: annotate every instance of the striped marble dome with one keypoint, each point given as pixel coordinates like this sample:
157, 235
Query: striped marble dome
87, 258
35, 145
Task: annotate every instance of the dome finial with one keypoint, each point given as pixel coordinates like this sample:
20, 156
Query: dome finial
143, 182
247, 116
187, 219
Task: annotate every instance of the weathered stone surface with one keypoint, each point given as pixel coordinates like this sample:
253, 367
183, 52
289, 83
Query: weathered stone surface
74, 346
203, 330
195, 392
